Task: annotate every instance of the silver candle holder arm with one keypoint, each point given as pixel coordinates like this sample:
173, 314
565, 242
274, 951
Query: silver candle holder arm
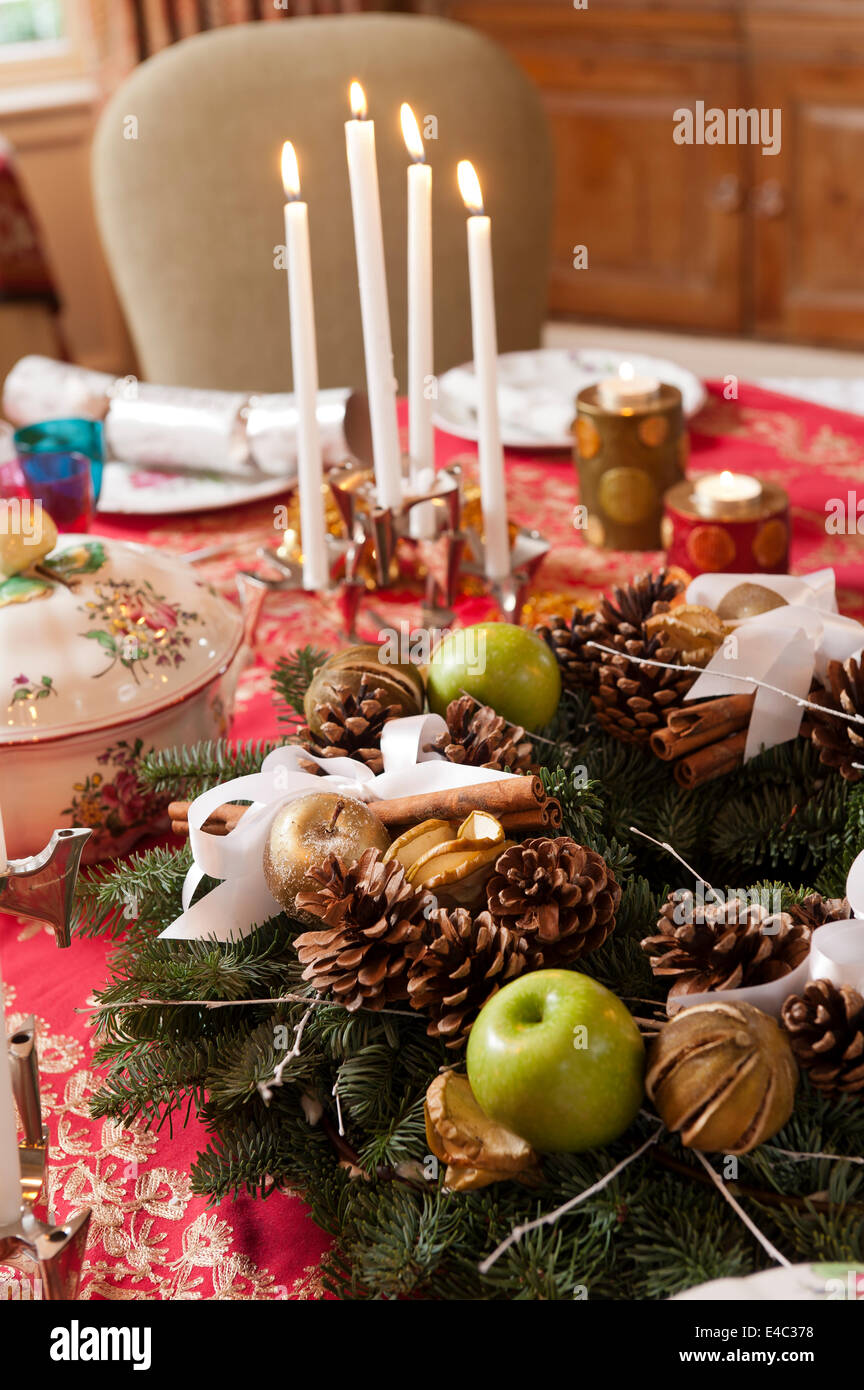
43, 887
53, 1254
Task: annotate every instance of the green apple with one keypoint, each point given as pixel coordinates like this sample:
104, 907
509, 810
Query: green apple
558, 1059
501, 665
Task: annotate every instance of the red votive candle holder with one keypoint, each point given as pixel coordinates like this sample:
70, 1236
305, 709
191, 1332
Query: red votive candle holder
726, 522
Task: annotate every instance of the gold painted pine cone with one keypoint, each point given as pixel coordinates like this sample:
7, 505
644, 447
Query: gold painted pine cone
722, 1076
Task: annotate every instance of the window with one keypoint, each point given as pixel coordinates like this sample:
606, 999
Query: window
41, 41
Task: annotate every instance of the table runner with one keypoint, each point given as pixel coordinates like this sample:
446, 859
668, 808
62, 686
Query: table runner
149, 1238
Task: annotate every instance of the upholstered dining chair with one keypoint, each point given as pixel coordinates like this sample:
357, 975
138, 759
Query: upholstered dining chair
189, 199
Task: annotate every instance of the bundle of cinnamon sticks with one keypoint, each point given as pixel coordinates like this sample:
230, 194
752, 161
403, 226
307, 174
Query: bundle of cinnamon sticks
704, 740
521, 804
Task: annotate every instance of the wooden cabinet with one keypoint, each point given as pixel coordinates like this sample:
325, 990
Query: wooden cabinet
716, 237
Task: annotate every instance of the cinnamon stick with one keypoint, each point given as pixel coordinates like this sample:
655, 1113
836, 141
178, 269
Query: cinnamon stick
711, 761
695, 726
520, 803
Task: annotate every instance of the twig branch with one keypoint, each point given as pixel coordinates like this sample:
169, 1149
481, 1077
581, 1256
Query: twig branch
552, 1216
741, 1213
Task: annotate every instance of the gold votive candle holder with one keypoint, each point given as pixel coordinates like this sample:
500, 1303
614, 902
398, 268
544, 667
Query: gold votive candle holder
626, 459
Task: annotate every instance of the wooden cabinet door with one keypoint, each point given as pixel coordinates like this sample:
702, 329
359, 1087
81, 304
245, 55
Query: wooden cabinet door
662, 222
807, 203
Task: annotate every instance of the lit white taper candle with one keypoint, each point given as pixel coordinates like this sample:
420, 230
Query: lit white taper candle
304, 358
421, 436
10, 1170
485, 338
374, 304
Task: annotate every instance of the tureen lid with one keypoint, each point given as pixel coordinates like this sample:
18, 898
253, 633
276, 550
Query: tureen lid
105, 632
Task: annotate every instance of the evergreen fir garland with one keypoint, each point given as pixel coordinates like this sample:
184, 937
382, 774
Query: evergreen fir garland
658, 1228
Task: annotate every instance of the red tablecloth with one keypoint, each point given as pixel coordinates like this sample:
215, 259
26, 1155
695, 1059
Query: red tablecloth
151, 1239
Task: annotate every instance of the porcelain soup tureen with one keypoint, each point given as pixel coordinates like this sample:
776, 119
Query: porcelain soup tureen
107, 651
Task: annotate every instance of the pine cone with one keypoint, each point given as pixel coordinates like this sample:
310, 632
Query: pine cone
556, 893
723, 945
632, 700
840, 743
814, 911
351, 724
476, 735
826, 1029
464, 964
375, 927
567, 641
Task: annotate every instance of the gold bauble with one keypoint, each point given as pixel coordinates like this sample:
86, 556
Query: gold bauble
723, 1076
307, 831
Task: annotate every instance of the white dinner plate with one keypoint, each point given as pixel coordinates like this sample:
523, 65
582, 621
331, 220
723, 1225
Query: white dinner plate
140, 491
537, 392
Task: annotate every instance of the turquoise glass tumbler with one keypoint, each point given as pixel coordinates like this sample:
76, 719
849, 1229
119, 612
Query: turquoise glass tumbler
65, 437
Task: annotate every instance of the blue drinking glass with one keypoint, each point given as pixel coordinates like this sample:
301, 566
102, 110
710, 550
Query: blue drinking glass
65, 437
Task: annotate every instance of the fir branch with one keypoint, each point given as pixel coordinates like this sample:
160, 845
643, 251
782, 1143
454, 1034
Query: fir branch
187, 772
291, 677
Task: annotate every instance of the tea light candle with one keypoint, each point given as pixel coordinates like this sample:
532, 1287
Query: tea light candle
725, 494
627, 391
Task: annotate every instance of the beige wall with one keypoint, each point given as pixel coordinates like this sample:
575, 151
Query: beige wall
52, 148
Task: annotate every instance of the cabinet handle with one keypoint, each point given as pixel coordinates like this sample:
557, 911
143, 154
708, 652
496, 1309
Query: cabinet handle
725, 194
769, 199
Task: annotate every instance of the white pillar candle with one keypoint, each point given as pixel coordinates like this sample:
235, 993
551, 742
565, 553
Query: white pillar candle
304, 358
627, 390
421, 438
10, 1170
374, 305
485, 339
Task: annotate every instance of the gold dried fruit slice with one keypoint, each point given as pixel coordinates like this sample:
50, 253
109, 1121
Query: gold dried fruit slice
480, 825
692, 631
457, 871
419, 840
477, 1150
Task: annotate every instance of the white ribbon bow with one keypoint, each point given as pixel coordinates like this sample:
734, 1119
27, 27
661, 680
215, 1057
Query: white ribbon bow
783, 647
243, 901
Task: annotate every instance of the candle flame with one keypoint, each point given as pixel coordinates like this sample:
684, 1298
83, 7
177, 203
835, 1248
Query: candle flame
626, 371
411, 134
290, 172
726, 477
359, 108
469, 187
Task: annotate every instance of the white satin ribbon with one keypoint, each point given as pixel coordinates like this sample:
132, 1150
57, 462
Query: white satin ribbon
242, 900
783, 648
